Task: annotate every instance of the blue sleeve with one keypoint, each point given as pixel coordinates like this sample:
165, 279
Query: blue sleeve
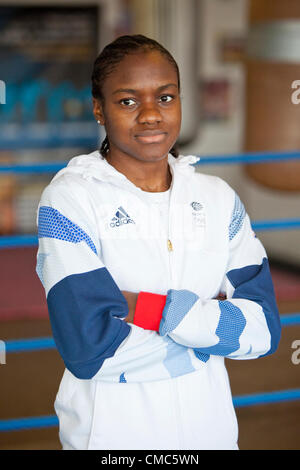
86, 307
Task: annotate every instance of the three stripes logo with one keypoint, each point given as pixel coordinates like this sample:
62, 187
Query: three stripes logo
121, 218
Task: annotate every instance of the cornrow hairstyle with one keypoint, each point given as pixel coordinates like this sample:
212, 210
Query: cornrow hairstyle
111, 56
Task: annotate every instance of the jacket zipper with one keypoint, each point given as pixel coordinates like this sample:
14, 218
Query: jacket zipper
170, 250
170, 245
174, 385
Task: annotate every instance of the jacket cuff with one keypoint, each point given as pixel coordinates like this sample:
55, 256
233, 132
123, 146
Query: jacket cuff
148, 310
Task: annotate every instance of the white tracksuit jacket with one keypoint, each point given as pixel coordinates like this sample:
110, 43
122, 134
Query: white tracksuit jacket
126, 387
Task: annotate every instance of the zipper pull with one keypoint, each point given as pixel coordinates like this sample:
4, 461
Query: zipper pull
170, 246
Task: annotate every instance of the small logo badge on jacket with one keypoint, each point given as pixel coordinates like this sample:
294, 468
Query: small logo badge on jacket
197, 206
121, 217
198, 214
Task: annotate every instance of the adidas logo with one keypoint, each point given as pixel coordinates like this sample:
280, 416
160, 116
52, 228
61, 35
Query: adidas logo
121, 218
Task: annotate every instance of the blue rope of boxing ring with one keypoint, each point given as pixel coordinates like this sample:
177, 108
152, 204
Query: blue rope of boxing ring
35, 344
250, 157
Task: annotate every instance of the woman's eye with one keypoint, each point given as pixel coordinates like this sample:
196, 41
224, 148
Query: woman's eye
127, 102
166, 98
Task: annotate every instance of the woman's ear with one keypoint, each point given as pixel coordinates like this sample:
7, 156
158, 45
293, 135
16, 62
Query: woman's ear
98, 111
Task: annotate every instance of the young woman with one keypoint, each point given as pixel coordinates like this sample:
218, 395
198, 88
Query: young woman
134, 249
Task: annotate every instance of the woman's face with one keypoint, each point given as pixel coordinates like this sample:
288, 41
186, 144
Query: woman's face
141, 110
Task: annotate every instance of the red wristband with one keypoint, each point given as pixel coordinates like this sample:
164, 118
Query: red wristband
148, 310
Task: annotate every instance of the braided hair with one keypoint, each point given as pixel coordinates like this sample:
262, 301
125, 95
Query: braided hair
111, 56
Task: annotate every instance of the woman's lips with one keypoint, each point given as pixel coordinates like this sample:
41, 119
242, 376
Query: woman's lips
151, 137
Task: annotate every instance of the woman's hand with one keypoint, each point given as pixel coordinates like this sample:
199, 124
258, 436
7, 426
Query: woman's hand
221, 296
131, 298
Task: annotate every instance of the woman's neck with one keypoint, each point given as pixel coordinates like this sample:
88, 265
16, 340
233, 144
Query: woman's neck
148, 176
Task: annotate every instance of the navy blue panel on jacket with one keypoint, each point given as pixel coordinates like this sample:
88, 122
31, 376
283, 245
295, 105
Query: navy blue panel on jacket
255, 283
83, 310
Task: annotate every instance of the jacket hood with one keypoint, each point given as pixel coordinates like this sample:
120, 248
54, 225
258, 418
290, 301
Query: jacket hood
93, 165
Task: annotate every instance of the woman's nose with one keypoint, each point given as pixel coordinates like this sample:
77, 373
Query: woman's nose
149, 114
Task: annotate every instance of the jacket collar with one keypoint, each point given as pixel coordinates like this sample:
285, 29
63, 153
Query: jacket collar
94, 166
